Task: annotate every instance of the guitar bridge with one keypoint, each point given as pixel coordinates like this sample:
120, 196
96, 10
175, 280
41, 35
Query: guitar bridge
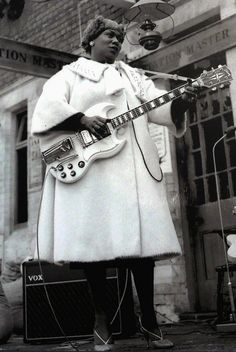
57, 150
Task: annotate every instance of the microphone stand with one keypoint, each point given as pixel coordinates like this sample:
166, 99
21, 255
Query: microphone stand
166, 76
232, 323
222, 327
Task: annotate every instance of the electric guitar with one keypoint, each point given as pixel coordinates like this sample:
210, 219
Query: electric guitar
71, 156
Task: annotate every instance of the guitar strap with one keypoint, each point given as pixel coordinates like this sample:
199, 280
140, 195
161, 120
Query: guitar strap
136, 78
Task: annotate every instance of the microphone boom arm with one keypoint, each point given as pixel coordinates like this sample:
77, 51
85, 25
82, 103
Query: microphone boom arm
166, 76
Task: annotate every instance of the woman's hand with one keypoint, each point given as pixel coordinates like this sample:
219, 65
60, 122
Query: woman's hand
191, 94
96, 125
180, 105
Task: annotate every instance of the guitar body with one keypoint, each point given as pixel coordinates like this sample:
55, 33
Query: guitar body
77, 158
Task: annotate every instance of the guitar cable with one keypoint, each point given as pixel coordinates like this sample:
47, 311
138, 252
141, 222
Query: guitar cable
45, 285
143, 157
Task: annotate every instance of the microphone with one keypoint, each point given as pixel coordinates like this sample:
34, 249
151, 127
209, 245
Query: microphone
155, 74
230, 129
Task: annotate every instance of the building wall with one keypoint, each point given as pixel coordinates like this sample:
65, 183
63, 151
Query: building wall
58, 25
53, 24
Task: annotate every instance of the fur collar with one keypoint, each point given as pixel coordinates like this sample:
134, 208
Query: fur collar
94, 71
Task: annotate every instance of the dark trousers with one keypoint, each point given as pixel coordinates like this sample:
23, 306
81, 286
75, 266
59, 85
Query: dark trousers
143, 274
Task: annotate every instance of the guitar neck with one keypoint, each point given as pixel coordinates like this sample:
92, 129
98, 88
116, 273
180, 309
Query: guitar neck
132, 114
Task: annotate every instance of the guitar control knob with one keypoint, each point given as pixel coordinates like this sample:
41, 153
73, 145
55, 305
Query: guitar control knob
73, 173
81, 164
63, 175
70, 166
60, 168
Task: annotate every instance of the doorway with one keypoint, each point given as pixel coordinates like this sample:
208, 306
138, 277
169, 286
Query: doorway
207, 121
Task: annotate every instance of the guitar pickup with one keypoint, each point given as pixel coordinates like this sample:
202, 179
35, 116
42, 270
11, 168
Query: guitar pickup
57, 150
86, 138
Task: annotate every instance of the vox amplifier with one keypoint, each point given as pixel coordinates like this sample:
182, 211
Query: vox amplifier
67, 289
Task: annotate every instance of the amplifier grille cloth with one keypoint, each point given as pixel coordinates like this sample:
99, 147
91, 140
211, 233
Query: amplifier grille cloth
72, 304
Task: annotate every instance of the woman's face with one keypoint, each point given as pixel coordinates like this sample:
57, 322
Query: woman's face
107, 46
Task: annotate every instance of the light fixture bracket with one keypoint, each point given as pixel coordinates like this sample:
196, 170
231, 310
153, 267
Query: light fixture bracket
153, 9
146, 12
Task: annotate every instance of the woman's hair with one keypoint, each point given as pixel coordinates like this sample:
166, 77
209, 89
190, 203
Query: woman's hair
96, 27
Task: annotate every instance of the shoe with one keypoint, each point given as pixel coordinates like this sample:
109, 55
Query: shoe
102, 343
155, 338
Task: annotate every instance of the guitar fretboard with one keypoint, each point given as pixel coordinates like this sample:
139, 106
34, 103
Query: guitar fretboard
147, 106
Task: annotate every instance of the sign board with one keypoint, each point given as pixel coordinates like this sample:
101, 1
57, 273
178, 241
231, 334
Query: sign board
35, 170
32, 60
211, 40
124, 4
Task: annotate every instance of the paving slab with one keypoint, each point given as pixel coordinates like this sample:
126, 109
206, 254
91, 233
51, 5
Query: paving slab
188, 337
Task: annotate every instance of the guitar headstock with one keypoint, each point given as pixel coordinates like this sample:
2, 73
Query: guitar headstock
215, 77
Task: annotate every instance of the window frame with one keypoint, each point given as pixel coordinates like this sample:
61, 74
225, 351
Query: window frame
19, 145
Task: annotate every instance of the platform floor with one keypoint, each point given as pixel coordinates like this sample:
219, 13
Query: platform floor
188, 336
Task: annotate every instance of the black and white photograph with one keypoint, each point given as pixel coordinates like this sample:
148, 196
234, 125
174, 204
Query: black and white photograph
118, 175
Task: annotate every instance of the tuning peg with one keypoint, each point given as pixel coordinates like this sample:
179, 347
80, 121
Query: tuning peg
214, 89
222, 86
220, 66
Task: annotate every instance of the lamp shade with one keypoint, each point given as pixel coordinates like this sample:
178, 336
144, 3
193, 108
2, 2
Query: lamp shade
154, 9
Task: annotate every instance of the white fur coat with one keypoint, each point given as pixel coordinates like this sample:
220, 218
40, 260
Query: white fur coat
117, 209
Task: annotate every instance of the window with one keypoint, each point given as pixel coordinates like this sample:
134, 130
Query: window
207, 121
21, 203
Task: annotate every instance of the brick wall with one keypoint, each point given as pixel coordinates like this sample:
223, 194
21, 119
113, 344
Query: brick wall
54, 24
